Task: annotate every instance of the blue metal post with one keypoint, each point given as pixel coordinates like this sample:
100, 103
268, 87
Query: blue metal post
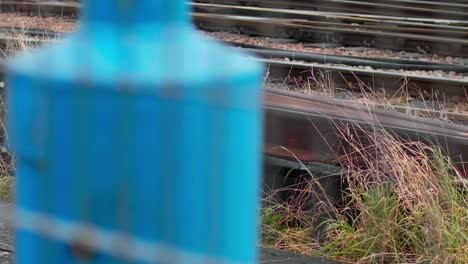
137, 141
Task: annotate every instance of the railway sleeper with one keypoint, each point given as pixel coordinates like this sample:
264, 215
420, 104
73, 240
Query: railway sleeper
289, 181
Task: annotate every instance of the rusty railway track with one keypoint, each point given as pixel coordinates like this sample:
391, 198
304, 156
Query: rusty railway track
326, 32
445, 37
344, 77
306, 127
407, 8
49, 8
301, 76
339, 76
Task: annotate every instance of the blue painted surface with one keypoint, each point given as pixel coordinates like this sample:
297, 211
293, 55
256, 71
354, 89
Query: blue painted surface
137, 124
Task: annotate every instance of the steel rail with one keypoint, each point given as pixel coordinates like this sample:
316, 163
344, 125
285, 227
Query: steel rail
379, 63
313, 15
458, 12
309, 128
342, 75
304, 30
73, 7
357, 80
345, 78
454, 41
321, 26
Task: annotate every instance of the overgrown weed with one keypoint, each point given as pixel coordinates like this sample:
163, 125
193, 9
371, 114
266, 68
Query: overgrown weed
409, 98
6, 188
405, 202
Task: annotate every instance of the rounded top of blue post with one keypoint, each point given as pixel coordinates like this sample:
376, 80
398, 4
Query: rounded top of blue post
134, 12
138, 42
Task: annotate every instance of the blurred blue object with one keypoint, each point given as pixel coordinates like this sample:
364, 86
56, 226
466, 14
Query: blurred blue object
137, 141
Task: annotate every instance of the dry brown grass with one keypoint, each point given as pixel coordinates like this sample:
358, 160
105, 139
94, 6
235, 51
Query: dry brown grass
19, 42
408, 203
405, 202
6, 159
6, 188
432, 105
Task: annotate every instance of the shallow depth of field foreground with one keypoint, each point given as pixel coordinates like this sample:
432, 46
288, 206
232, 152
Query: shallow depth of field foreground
403, 202
136, 131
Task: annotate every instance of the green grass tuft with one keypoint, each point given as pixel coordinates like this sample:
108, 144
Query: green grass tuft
405, 202
6, 188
